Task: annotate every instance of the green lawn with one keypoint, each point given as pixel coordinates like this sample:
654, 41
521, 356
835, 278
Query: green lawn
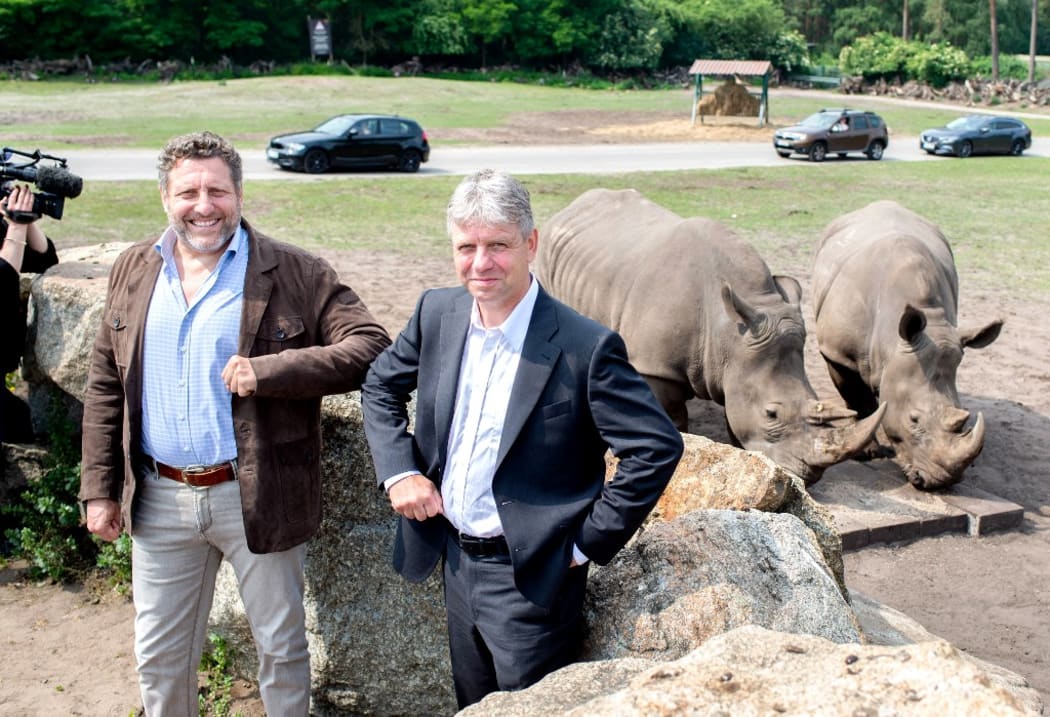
56, 115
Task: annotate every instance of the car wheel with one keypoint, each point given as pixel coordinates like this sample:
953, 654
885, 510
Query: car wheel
1017, 148
818, 152
315, 161
785, 155
875, 150
409, 161
965, 150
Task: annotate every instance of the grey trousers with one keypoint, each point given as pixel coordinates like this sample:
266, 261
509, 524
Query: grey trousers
181, 535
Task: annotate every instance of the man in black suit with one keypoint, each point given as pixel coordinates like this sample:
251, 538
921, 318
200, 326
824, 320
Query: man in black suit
518, 397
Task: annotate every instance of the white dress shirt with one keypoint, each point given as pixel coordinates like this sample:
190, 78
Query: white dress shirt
486, 377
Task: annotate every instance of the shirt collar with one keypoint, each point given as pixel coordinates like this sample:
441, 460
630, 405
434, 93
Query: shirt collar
516, 325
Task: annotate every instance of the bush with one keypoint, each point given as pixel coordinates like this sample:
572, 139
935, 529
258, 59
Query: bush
1009, 67
875, 56
46, 515
937, 65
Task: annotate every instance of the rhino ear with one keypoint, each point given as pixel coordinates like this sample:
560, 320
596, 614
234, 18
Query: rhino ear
980, 337
738, 309
789, 288
912, 323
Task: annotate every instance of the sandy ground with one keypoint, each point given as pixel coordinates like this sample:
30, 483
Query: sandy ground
69, 647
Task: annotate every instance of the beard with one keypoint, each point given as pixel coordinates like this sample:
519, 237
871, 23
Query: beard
205, 243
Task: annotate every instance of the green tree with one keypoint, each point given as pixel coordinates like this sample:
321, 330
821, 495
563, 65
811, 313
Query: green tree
489, 21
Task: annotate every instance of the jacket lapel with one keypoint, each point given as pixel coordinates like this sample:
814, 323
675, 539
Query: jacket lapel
454, 326
257, 288
538, 356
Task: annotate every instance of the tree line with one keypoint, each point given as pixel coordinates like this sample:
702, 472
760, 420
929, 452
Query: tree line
601, 35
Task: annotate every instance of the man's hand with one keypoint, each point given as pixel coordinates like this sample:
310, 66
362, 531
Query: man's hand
103, 518
239, 376
416, 497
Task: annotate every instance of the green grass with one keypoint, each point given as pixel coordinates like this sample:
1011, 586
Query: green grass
59, 114
992, 209
69, 114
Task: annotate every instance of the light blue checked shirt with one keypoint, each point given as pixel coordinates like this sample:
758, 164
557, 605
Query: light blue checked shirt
187, 414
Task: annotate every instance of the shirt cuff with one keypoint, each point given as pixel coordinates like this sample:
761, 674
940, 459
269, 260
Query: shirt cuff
578, 556
389, 482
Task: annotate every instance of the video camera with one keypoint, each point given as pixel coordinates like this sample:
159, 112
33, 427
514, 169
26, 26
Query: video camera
56, 183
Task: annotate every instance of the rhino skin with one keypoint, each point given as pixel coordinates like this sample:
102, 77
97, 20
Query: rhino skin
886, 297
701, 316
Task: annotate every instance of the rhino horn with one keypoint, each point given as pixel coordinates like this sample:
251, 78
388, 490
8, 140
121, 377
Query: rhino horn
968, 445
954, 419
818, 412
834, 445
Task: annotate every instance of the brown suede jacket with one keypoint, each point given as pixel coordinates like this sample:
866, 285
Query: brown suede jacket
307, 335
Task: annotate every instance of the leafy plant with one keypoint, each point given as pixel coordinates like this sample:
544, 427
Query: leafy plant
215, 696
46, 529
115, 559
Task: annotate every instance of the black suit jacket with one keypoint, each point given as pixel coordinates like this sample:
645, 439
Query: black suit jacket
574, 396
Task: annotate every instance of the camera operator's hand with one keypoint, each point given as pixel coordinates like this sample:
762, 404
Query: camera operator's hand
18, 235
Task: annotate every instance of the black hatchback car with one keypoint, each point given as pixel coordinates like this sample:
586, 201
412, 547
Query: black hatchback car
978, 134
349, 141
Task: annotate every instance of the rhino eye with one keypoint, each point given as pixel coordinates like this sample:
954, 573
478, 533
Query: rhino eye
771, 412
914, 416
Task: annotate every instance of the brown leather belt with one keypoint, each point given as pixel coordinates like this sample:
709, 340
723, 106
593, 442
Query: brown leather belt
199, 476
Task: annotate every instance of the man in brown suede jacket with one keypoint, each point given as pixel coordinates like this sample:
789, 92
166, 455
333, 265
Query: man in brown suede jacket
201, 432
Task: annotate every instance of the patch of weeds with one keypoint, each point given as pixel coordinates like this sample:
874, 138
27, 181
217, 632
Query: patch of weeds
45, 517
114, 559
216, 693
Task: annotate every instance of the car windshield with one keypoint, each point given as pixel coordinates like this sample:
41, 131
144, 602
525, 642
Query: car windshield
966, 123
335, 126
820, 120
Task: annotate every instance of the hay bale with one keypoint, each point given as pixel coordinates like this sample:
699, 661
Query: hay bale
731, 99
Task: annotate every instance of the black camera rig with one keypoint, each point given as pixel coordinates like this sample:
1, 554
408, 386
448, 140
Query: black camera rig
55, 182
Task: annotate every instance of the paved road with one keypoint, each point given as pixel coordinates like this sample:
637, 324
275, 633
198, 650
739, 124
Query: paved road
114, 164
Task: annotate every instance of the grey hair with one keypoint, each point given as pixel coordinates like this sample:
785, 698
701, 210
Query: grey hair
198, 145
489, 197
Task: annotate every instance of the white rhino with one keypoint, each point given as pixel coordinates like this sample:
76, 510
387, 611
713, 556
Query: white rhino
701, 316
886, 299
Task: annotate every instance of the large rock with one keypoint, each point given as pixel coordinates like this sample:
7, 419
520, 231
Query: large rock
378, 643
67, 307
754, 671
710, 571
716, 475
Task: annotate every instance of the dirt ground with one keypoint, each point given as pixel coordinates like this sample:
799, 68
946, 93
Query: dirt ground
69, 647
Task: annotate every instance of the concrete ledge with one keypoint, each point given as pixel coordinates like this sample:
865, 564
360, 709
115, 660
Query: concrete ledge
872, 502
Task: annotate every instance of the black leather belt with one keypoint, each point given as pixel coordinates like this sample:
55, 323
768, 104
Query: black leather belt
199, 476
480, 547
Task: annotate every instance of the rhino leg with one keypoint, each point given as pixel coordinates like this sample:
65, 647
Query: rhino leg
672, 396
852, 388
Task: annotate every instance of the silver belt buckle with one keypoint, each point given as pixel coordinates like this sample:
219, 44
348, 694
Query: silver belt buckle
194, 469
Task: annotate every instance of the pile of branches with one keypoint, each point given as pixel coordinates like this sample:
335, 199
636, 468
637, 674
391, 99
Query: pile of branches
974, 91
166, 70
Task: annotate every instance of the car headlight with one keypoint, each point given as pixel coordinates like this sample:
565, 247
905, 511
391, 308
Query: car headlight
295, 147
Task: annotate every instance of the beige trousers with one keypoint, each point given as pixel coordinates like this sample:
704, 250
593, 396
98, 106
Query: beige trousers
181, 536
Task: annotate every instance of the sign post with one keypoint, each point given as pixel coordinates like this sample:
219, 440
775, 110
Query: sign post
320, 38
